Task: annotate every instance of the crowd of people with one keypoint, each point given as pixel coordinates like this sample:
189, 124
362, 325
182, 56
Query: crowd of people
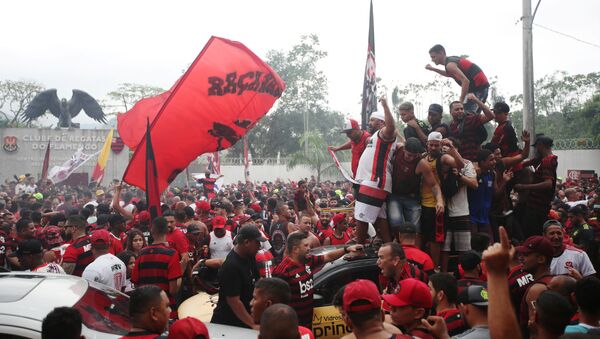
431, 200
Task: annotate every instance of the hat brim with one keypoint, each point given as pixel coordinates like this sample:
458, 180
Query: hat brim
393, 300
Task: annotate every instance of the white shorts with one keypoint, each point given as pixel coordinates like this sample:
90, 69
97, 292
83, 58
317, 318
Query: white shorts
369, 213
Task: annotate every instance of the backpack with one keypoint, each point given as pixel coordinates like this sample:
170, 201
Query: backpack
449, 184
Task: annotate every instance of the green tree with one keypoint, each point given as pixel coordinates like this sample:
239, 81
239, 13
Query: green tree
15, 96
317, 158
126, 95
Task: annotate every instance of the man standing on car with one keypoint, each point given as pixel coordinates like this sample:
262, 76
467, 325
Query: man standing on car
297, 270
237, 277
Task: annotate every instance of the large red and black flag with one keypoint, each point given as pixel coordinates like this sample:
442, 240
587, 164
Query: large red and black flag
223, 94
369, 97
152, 191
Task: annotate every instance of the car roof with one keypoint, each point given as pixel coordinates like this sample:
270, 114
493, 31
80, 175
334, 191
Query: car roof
34, 295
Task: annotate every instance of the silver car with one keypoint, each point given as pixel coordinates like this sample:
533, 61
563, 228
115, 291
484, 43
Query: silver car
26, 298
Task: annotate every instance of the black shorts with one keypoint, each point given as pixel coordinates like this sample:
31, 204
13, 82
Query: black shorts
427, 224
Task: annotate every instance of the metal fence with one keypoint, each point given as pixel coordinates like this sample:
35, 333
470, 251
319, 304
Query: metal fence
255, 161
577, 143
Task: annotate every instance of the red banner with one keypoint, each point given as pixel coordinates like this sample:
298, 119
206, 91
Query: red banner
223, 94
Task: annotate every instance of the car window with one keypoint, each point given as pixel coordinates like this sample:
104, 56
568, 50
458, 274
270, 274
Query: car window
104, 309
325, 291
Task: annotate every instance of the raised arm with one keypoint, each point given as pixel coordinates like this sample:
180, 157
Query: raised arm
487, 112
455, 72
116, 206
437, 70
346, 145
390, 126
496, 259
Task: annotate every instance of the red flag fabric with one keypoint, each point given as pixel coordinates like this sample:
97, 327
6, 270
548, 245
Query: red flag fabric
223, 94
131, 124
152, 190
46, 164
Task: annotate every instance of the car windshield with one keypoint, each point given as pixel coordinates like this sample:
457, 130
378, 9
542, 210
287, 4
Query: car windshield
105, 310
15, 287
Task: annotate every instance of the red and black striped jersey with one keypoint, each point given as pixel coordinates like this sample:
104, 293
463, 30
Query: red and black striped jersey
300, 278
157, 265
80, 254
454, 321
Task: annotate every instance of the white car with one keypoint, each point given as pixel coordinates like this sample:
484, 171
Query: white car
26, 298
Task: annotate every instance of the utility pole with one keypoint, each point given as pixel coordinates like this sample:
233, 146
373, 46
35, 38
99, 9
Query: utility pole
528, 95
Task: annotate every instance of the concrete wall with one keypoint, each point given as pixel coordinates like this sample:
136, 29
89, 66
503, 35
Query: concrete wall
31, 148
584, 159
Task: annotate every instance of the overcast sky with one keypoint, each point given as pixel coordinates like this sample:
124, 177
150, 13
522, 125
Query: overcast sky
95, 45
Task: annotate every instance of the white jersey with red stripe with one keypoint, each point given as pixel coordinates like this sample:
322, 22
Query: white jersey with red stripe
572, 257
59, 252
375, 165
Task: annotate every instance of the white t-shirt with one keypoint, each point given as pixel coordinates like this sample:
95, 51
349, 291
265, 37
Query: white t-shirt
49, 268
572, 257
377, 156
458, 205
108, 270
220, 247
575, 203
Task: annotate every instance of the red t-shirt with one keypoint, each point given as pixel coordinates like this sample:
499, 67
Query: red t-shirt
80, 254
341, 241
300, 278
305, 333
178, 241
357, 150
116, 246
419, 258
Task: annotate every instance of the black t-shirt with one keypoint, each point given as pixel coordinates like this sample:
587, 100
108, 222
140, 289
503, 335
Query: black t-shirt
236, 278
410, 132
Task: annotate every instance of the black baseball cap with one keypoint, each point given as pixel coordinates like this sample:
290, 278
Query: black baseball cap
435, 108
474, 295
249, 232
29, 246
543, 140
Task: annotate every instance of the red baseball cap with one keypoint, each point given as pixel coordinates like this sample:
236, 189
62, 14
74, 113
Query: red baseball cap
52, 236
256, 208
100, 237
349, 124
218, 222
203, 206
411, 292
187, 328
364, 291
537, 244
338, 218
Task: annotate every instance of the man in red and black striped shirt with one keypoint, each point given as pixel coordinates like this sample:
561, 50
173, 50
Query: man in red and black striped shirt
158, 264
297, 270
79, 253
395, 267
444, 290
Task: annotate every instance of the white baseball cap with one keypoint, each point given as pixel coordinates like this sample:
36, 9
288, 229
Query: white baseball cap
435, 136
349, 124
378, 115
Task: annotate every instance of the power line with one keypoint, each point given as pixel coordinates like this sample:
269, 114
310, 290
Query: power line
568, 36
